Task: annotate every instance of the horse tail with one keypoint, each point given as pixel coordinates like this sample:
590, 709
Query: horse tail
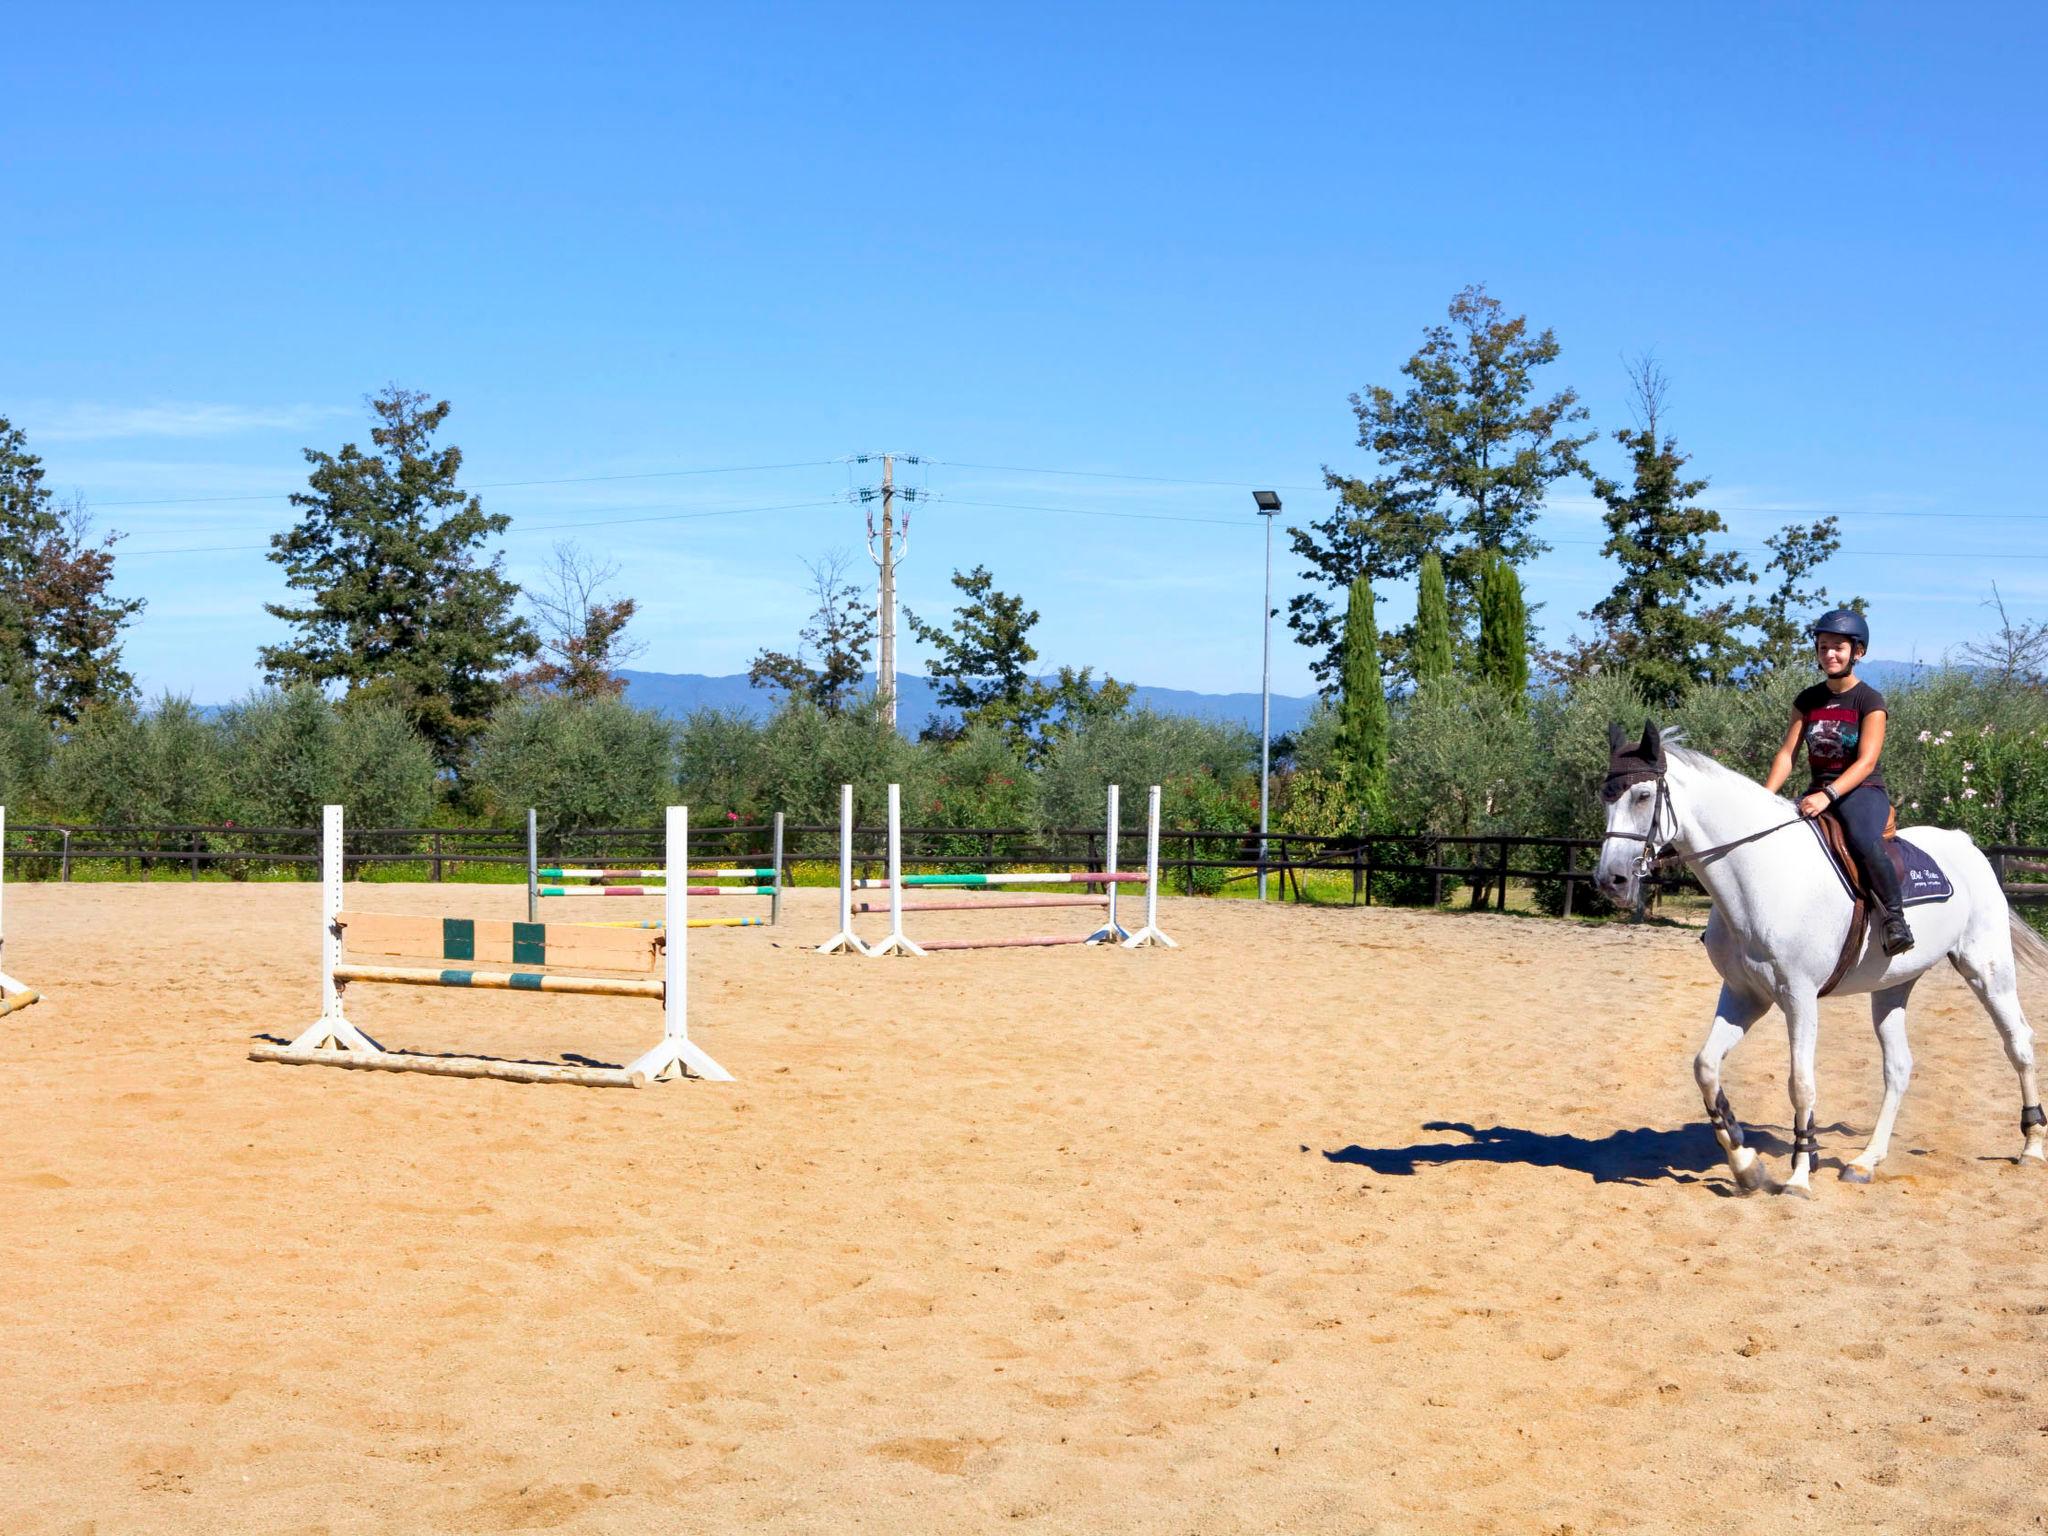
2028, 945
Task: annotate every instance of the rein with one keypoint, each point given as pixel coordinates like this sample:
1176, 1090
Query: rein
1648, 864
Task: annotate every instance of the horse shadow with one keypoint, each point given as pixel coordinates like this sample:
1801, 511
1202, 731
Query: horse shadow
1642, 1155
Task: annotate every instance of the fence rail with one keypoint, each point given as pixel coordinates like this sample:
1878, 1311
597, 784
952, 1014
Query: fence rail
1484, 864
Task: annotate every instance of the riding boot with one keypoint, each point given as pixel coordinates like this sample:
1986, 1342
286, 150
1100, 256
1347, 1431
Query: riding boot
1884, 884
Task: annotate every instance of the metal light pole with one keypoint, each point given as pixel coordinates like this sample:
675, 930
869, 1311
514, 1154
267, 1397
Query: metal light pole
1269, 508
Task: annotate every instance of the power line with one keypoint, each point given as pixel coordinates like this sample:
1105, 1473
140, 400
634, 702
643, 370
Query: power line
1105, 474
607, 522
501, 485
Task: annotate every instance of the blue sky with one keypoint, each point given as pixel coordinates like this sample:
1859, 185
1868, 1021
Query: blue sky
1158, 241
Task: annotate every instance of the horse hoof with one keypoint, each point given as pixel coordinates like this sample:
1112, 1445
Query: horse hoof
1851, 1174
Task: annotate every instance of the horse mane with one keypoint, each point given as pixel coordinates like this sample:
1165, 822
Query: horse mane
1692, 757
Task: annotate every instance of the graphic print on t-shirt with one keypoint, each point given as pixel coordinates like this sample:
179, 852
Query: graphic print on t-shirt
1833, 732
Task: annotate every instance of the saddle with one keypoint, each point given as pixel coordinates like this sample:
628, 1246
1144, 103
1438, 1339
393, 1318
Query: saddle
1920, 881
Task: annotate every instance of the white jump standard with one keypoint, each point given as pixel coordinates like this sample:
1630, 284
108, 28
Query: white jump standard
898, 942
14, 995
332, 1040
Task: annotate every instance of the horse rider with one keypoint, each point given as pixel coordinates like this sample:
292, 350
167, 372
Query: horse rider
1841, 720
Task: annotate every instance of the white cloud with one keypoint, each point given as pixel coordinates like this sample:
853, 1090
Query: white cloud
98, 421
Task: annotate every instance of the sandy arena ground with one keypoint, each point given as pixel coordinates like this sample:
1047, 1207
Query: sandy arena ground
1331, 1221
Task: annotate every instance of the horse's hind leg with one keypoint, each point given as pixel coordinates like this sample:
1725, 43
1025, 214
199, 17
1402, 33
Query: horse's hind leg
1995, 979
1888, 1015
1732, 1017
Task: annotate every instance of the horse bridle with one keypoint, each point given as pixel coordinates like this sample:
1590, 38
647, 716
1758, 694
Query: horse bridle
1648, 864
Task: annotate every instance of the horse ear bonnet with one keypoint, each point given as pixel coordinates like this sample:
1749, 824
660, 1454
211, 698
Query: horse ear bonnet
1628, 765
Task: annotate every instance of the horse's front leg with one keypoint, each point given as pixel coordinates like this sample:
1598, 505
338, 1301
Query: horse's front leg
1888, 1014
1733, 1015
1802, 1027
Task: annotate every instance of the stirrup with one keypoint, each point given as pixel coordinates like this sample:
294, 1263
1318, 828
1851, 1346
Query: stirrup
1898, 937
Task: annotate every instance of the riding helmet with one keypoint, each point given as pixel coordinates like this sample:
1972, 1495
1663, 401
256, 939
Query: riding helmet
1843, 621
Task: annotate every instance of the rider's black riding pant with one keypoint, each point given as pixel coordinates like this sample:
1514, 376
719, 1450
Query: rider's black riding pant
1863, 812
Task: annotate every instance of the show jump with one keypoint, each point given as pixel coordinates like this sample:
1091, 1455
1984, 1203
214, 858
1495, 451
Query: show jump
955, 889
662, 958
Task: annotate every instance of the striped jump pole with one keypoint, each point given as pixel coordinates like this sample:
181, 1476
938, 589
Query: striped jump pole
607, 881
14, 995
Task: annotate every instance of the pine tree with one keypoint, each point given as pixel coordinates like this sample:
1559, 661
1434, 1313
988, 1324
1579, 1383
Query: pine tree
1464, 455
1657, 622
1503, 632
1362, 710
982, 666
1431, 653
399, 605
60, 630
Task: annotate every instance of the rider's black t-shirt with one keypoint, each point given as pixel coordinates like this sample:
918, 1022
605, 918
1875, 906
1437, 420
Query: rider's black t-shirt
1834, 730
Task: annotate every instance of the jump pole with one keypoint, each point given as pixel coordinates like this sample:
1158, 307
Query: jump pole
772, 873
845, 941
13, 994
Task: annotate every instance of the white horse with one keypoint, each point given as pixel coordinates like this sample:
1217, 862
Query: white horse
1779, 921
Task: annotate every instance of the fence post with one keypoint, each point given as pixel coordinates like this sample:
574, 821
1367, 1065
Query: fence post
64, 870
192, 847
437, 856
1502, 906
1571, 865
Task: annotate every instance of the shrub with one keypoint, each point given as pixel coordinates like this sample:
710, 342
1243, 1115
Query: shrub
578, 763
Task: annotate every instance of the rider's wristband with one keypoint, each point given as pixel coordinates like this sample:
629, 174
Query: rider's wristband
1829, 791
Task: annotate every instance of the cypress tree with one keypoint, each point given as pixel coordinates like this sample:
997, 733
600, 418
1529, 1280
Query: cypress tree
1362, 710
1432, 624
1503, 633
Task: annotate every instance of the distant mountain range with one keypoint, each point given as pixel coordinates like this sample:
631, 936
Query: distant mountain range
676, 694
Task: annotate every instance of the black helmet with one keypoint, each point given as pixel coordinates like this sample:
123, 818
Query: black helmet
1843, 621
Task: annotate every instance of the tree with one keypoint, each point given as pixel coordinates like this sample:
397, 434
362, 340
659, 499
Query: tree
1503, 633
1658, 622
2015, 653
1797, 551
1362, 722
841, 630
982, 665
1465, 455
60, 630
582, 637
399, 605
1430, 652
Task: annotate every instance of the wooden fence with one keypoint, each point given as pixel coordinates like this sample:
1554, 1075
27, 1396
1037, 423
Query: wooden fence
1386, 866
